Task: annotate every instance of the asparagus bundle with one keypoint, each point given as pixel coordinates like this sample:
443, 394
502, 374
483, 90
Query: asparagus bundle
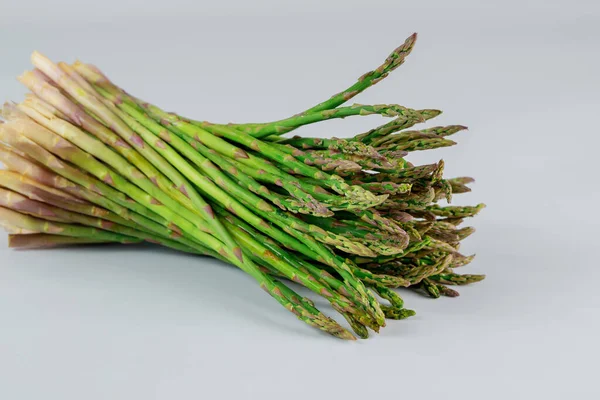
349, 219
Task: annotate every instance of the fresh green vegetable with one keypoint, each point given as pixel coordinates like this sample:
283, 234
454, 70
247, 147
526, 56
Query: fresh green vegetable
349, 219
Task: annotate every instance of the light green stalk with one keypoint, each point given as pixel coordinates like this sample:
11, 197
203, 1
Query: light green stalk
80, 184
32, 224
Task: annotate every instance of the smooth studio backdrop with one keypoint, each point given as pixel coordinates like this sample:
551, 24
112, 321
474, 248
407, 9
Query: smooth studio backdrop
137, 322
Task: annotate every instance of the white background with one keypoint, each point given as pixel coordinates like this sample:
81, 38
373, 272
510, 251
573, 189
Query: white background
144, 323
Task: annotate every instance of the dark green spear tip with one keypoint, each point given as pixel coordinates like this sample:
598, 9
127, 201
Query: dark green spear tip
392, 154
361, 197
444, 131
397, 57
388, 187
460, 260
396, 313
451, 278
428, 144
361, 331
473, 278
342, 243
465, 232
390, 281
333, 328
465, 180
430, 288
447, 190
458, 188
308, 208
438, 172
429, 114
391, 296
446, 291
358, 328
356, 148
455, 211
452, 129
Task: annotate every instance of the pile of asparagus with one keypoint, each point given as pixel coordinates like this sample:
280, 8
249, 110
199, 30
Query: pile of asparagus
349, 219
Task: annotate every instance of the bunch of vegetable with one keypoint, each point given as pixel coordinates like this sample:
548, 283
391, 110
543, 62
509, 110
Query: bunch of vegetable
349, 219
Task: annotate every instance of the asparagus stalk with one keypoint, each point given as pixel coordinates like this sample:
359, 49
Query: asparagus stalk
81, 185
334, 144
278, 128
37, 225
82, 143
200, 164
323, 276
46, 240
17, 202
380, 134
393, 61
122, 157
201, 133
88, 163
